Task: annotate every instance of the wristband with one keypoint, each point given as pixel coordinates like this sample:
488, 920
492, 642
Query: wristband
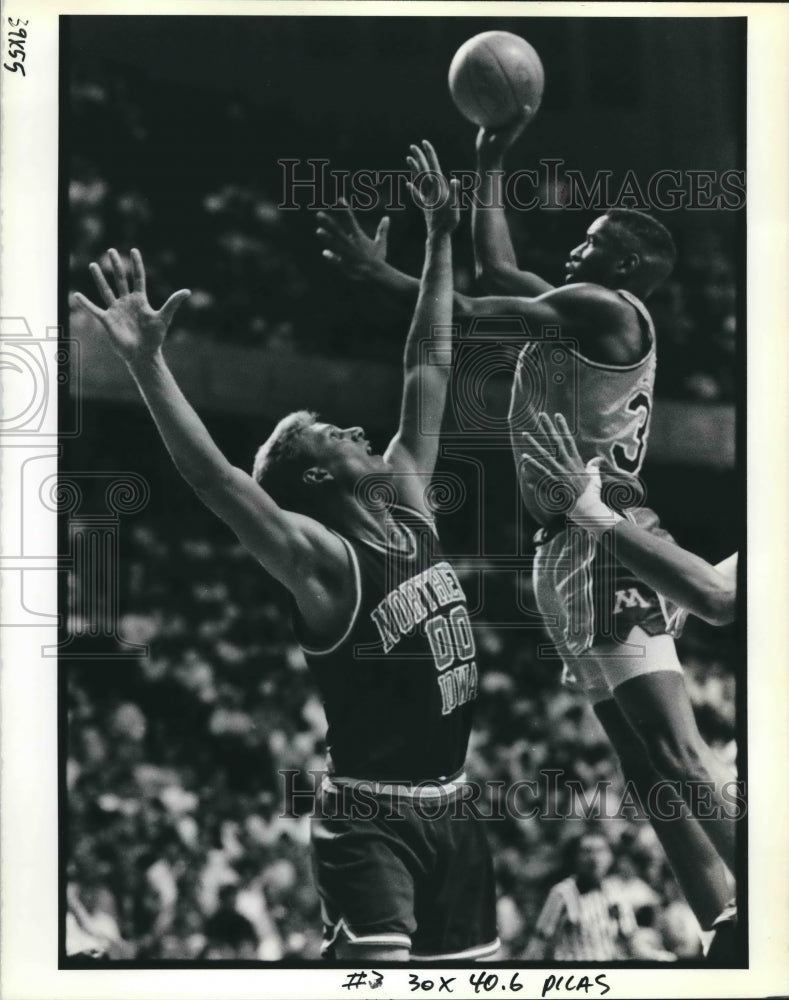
592, 514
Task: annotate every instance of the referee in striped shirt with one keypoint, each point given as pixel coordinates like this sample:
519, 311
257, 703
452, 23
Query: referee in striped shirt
584, 918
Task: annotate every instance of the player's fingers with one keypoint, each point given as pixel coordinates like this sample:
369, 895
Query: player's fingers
420, 158
346, 216
334, 240
532, 463
431, 156
102, 284
542, 451
176, 300
382, 232
547, 429
565, 442
551, 432
119, 272
335, 258
332, 225
559, 443
568, 438
90, 307
138, 271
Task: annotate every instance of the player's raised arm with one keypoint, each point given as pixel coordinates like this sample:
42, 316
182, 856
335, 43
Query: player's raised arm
427, 358
594, 315
708, 591
363, 258
494, 254
298, 551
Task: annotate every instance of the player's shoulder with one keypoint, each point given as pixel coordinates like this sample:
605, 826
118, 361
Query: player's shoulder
588, 295
605, 321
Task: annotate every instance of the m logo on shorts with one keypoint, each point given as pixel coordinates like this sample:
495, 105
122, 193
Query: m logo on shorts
629, 598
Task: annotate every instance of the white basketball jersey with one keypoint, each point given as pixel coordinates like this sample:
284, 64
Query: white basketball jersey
607, 407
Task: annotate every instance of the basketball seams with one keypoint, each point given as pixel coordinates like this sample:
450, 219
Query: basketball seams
491, 52
474, 79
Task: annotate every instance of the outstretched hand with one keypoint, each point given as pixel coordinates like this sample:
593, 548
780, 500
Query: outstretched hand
493, 143
136, 330
555, 456
437, 198
347, 245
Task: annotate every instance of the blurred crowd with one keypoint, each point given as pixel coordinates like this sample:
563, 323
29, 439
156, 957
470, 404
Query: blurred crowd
206, 216
180, 843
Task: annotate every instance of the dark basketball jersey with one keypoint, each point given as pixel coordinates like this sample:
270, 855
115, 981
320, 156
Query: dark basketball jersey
398, 686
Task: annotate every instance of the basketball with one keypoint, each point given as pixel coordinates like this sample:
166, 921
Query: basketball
493, 75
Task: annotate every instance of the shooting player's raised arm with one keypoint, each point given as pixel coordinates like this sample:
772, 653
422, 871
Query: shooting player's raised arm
299, 552
494, 255
428, 351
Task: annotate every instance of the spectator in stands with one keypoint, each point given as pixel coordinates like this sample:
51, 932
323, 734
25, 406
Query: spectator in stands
584, 918
229, 935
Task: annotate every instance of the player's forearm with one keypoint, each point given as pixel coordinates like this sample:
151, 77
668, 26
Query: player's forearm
191, 447
404, 288
433, 313
683, 577
493, 249
496, 264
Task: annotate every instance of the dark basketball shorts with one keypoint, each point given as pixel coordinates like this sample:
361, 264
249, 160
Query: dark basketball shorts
400, 877
599, 615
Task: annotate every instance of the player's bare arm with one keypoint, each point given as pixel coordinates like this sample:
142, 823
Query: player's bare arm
703, 589
301, 553
494, 255
427, 361
607, 328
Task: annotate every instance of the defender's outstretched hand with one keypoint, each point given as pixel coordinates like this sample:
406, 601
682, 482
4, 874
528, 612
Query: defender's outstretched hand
555, 456
493, 143
347, 245
136, 330
437, 198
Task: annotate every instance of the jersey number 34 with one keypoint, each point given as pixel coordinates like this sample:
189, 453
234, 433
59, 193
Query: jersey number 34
628, 459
